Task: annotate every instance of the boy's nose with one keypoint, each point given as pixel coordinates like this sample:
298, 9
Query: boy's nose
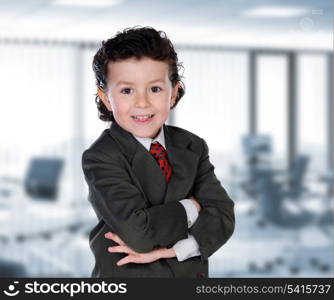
142, 101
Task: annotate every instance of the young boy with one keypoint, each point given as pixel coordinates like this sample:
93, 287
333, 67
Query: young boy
162, 212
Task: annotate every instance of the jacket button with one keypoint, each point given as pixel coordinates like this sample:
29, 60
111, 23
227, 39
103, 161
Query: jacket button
200, 275
169, 246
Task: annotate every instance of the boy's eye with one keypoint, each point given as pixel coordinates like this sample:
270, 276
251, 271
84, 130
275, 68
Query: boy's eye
126, 91
154, 89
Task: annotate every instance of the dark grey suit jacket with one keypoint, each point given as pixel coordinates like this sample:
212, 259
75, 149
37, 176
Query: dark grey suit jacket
130, 196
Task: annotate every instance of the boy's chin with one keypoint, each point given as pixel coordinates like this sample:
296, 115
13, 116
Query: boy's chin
146, 133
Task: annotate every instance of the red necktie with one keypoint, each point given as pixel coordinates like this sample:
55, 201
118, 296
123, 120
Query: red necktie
160, 155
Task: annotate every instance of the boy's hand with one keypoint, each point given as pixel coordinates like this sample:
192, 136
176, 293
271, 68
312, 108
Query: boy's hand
135, 257
198, 206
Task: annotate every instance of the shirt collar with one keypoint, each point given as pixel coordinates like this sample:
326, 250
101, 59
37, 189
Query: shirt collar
146, 142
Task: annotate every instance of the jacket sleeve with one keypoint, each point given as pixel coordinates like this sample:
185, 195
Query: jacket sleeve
216, 221
123, 207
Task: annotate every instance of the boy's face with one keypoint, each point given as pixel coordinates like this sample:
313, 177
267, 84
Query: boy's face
138, 89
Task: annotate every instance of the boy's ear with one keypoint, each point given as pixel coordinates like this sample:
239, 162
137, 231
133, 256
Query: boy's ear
174, 94
104, 98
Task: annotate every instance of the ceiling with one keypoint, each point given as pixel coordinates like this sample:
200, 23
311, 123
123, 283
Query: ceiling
293, 23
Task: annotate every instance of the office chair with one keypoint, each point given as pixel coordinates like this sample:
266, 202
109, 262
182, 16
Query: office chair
41, 181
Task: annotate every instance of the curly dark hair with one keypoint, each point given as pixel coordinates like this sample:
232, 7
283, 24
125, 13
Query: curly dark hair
135, 42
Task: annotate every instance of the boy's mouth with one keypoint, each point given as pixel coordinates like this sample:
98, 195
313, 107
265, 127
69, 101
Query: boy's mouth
142, 117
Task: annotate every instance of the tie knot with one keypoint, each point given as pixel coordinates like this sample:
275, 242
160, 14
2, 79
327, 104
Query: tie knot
156, 145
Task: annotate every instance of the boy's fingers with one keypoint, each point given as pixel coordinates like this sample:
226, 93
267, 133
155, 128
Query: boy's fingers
117, 239
114, 237
124, 261
109, 235
119, 249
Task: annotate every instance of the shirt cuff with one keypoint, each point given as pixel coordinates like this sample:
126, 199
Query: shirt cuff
191, 211
186, 248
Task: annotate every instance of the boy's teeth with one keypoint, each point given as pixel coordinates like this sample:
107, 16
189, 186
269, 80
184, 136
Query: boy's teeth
142, 117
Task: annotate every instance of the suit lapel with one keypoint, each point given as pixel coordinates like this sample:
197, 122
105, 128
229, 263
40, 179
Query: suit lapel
143, 164
149, 175
183, 161
184, 164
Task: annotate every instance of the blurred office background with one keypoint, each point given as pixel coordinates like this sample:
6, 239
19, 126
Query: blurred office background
259, 89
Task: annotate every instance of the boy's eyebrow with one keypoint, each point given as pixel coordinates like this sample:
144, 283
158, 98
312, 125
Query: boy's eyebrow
129, 82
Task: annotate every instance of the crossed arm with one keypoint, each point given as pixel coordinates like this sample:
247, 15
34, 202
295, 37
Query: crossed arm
122, 205
148, 257
141, 229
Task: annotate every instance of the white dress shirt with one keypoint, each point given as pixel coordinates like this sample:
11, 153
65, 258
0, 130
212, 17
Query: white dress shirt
188, 247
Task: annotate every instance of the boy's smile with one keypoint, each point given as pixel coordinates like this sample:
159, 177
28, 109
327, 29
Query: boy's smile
140, 94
